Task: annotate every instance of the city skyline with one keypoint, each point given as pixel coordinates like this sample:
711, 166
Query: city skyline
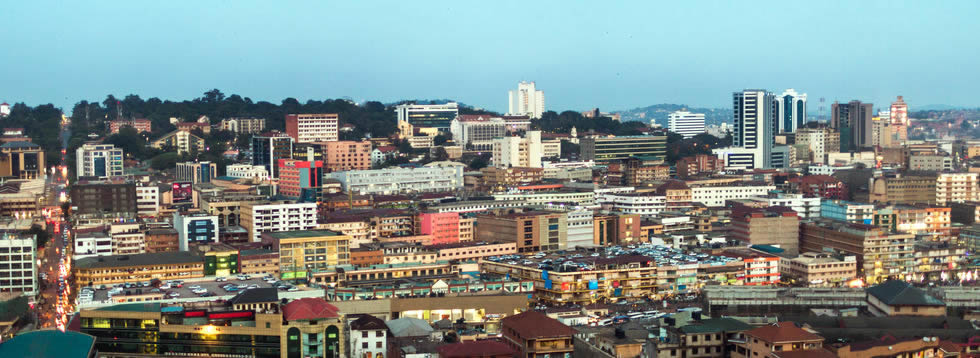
628, 56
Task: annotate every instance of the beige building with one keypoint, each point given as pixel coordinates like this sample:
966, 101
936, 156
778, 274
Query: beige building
818, 269
880, 253
308, 251
110, 270
957, 188
903, 190
777, 337
531, 230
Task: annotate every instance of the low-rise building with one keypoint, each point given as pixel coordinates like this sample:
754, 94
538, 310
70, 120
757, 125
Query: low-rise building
534, 334
110, 270
302, 253
818, 269
531, 230
775, 226
180, 141
900, 298
431, 178
777, 337
258, 262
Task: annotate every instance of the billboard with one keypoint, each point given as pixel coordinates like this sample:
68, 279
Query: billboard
183, 192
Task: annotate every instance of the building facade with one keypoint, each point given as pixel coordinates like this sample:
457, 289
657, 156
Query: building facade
196, 172
262, 217
346, 155
18, 264
438, 116
685, 123
98, 160
300, 180
853, 121
527, 100
21, 160
195, 229
515, 151
308, 128
476, 132
650, 148
243, 125
401, 180
268, 148
790, 111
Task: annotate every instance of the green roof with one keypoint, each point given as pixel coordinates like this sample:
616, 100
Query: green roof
158, 258
901, 293
13, 308
301, 233
48, 343
767, 249
132, 307
713, 325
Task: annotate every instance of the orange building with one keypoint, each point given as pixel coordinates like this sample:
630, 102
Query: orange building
346, 155
443, 227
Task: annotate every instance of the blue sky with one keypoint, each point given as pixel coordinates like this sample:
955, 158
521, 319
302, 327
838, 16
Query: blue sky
614, 55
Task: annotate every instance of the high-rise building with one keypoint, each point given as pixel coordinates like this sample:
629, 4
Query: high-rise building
477, 131
899, 118
261, 217
18, 264
754, 130
853, 121
243, 125
300, 180
306, 128
649, 148
685, 123
116, 198
515, 151
98, 160
346, 155
790, 111
196, 172
198, 228
268, 148
438, 116
526, 100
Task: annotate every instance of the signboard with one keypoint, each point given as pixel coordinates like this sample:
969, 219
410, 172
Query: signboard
183, 192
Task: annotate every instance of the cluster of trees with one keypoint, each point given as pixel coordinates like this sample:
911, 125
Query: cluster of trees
551, 121
41, 123
678, 147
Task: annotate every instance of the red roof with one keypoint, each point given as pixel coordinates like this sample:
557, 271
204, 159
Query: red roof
783, 332
533, 324
486, 348
387, 148
309, 308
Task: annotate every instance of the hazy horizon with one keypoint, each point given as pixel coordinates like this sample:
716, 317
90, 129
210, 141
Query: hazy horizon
612, 56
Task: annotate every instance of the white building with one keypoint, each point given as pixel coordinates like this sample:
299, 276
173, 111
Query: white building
715, 196
243, 125
753, 136
430, 178
580, 228
438, 116
790, 111
805, 208
99, 160
91, 244
368, 337
477, 131
551, 148
313, 127
685, 123
519, 152
823, 169
18, 264
128, 238
147, 200
526, 100
957, 188
572, 197
262, 217
646, 204
247, 171
4, 109
381, 154
198, 228
815, 139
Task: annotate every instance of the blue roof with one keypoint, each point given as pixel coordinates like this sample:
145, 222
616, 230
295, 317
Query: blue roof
19, 144
48, 343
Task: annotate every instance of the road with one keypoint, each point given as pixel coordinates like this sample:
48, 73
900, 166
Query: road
53, 304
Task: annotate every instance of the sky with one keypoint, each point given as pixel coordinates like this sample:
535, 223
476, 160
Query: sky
614, 55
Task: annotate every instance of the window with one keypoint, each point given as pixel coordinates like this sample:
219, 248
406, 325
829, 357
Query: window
377, 345
364, 345
380, 334
364, 334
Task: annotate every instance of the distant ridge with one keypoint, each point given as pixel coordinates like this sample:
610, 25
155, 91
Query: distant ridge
659, 112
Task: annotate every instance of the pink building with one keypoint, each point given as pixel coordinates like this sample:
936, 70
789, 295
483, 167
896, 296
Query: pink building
443, 227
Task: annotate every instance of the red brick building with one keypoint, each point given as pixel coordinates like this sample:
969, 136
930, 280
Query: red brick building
702, 163
301, 180
820, 186
443, 227
533, 334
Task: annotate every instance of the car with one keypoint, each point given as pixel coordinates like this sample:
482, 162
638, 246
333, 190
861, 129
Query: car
194, 287
243, 277
293, 289
221, 279
165, 286
199, 290
253, 286
173, 294
242, 286
232, 289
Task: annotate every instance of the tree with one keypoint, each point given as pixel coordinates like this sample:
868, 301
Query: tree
478, 163
40, 234
129, 140
569, 149
439, 154
440, 139
164, 161
405, 147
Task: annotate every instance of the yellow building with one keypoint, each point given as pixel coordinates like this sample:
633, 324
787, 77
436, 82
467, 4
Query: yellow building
309, 251
110, 270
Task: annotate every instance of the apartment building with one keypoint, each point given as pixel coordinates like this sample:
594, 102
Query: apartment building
181, 142
18, 264
147, 201
879, 253
346, 155
775, 226
430, 178
98, 160
139, 124
957, 188
110, 270
531, 230
91, 244
243, 125
128, 238
307, 251
263, 217
605, 150
308, 128
819, 269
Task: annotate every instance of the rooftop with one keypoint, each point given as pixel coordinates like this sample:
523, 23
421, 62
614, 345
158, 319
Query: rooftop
309, 309
783, 332
715, 325
533, 324
49, 343
901, 293
160, 258
301, 234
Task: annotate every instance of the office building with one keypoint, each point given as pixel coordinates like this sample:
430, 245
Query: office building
442, 227
716, 195
853, 121
532, 230
604, 150
181, 142
427, 179
111, 270
139, 124
195, 229
847, 211
930, 163
818, 269
196, 172
879, 253
147, 201
818, 141
501, 179
438, 116
268, 148
308, 128
820, 186
162, 240
18, 263
346, 155
300, 180
685, 123
115, 198
243, 125
775, 226
262, 217
309, 151
21, 160
790, 111
92, 244
632, 172
259, 172
128, 238
957, 188
98, 160
753, 137
904, 189
526, 100
899, 118
515, 151
308, 251
477, 131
